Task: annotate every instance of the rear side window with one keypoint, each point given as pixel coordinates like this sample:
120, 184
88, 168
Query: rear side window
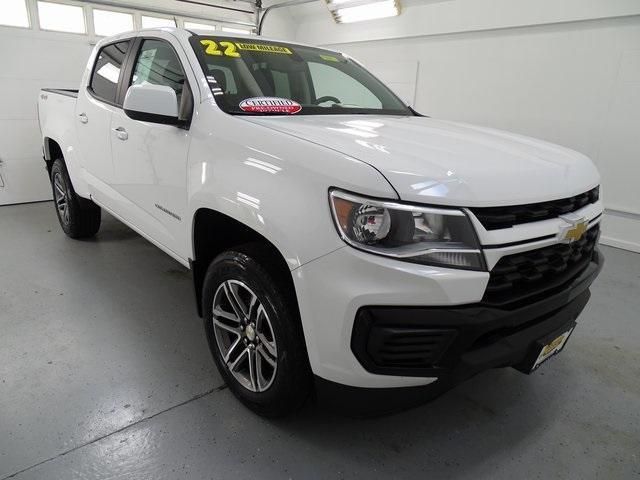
106, 72
158, 64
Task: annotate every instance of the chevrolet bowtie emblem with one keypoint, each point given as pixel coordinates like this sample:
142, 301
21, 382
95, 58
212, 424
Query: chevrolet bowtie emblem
575, 230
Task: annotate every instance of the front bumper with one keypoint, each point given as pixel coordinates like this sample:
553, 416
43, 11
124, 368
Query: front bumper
348, 298
485, 337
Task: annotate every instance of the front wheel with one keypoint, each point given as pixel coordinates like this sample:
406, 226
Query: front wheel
78, 217
254, 333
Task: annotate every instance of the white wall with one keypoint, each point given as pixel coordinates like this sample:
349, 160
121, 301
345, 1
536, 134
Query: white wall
567, 71
30, 61
280, 23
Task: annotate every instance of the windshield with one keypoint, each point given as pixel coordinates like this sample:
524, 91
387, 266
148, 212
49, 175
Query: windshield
256, 77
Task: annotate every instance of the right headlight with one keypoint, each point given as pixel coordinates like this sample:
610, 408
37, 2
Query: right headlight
430, 236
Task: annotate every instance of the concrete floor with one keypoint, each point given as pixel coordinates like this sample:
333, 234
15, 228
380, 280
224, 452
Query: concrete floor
105, 373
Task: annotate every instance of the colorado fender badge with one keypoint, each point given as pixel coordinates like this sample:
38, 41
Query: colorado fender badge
270, 105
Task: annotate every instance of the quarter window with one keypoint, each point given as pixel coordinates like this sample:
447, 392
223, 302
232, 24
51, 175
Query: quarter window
106, 73
158, 64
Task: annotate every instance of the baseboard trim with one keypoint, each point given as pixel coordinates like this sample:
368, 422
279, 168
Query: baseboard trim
24, 203
622, 244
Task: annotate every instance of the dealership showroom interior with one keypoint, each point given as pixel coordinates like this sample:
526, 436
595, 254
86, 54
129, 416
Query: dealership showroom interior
319, 239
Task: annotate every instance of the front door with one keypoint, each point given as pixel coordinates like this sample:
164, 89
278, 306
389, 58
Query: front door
150, 159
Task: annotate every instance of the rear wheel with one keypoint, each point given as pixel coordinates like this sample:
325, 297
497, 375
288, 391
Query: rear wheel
78, 217
254, 333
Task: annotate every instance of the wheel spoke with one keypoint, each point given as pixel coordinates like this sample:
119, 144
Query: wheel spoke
265, 356
239, 358
259, 376
233, 299
60, 192
252, 370
58, 183
269, 346
232, 349
229, 316
252, 304
228, 328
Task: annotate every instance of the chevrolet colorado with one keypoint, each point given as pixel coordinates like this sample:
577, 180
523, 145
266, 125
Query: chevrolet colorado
340, 242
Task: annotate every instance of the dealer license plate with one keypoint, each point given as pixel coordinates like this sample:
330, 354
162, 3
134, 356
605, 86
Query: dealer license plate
552, 348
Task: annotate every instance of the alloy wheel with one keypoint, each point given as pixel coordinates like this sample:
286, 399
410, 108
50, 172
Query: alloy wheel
61, 197
244, 336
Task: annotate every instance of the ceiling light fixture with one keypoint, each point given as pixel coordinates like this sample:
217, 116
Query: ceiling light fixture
349, 11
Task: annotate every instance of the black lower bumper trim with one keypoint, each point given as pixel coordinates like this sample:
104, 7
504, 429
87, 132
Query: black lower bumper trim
454, 344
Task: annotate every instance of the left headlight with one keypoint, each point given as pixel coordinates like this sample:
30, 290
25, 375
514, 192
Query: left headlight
430, 236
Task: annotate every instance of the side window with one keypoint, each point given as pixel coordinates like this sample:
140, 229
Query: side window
329, 81
157, 64
106, 72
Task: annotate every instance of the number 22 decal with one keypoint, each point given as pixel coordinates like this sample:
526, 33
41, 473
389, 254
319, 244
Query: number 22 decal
212, 48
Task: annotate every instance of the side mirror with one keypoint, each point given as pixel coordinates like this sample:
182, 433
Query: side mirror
152, 103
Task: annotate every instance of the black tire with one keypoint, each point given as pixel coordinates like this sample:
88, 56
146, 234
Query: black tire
81, 218
250, 266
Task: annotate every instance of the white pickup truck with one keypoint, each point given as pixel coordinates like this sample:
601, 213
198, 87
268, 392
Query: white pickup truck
340, 242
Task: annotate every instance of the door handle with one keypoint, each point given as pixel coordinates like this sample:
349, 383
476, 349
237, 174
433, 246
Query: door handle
121, 133
83, 118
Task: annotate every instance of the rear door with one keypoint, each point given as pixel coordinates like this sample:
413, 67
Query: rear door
95, 105
150, 159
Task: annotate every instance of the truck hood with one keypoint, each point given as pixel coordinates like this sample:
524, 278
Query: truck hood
448, 163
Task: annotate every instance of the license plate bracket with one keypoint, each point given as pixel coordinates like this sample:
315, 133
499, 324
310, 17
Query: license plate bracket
547, 347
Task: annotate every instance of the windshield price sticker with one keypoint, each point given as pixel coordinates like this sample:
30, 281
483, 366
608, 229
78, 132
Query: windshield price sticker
270, 105
260, 47
230, 49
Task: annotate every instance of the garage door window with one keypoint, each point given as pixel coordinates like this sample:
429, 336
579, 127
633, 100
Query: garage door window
107, 22
158, 64
157, 22
104, 81
15, 13
59, 17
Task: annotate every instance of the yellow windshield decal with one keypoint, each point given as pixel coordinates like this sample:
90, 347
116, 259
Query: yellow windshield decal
213, 48
260, 47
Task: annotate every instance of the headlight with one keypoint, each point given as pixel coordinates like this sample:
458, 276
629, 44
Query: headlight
431, 236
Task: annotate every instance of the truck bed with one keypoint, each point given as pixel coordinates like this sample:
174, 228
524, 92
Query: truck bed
57, 115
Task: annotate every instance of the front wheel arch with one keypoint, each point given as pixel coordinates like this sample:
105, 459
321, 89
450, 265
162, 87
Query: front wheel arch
214, 233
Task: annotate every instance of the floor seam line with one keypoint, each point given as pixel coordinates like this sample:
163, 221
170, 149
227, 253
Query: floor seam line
107, 435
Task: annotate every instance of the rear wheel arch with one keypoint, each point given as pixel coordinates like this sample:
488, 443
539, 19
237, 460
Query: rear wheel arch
52, 152
214, 232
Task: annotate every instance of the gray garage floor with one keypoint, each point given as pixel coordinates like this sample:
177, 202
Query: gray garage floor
105, 373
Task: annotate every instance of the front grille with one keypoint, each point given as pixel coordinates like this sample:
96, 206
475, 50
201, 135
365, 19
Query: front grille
407, 347
528, 274
494, 218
